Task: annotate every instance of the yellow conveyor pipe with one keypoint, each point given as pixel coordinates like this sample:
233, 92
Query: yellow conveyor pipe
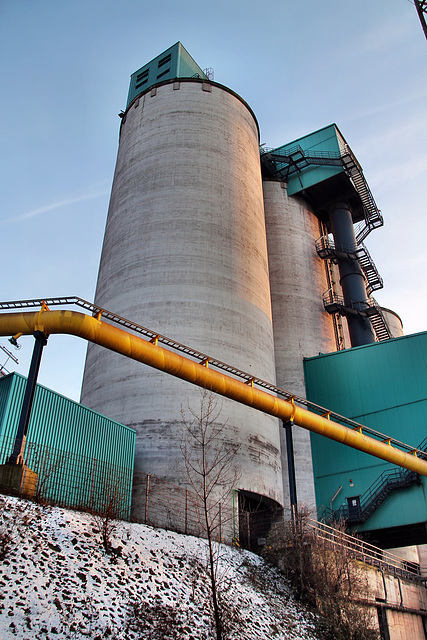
94, 330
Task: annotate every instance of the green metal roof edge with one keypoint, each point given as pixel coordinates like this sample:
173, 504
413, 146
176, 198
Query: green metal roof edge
60, 395
287, 144
364, 346
180, 47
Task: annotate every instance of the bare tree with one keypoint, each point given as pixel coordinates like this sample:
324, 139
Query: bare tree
323, 575
209, 463
108, 506
49, 474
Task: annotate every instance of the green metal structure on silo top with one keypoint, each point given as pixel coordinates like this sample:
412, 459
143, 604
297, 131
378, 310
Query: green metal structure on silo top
82, 459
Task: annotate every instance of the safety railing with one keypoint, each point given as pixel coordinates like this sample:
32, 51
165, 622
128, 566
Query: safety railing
387, 482
365, 552
203, 358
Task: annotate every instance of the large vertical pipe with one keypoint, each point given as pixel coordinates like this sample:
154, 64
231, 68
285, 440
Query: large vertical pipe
352, 279
291, 464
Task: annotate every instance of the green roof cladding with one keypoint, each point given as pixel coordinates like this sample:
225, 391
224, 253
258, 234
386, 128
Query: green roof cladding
175, 62
326, 140
383, 386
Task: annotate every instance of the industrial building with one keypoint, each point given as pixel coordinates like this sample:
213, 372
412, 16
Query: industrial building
383, 386
255, 257
76, 455
242, 270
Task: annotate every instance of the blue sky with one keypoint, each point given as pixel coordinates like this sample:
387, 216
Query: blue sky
299, 65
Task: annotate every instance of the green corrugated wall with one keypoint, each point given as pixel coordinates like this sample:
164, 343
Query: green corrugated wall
59, 422
383, 386
81, 458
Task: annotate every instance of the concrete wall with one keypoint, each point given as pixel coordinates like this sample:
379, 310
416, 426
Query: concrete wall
302, 328
185, 254
404, 603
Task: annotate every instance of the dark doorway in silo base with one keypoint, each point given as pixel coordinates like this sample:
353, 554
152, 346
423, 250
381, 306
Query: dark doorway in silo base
256, 515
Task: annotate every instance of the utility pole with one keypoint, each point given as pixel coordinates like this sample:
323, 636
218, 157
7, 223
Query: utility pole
421, 7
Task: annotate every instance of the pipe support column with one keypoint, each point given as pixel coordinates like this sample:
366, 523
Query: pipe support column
352, 279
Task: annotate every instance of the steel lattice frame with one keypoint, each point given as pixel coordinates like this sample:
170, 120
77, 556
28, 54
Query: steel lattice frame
421, 6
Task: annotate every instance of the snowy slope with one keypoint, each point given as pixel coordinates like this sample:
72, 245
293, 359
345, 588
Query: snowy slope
56, 581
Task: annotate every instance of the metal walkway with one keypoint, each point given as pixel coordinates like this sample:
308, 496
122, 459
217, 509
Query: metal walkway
206, 360
326, 249
334, 303
296, 159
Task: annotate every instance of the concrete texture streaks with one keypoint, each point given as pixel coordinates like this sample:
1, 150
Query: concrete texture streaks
185, 253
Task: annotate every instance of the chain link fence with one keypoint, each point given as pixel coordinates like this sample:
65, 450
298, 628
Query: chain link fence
52, 476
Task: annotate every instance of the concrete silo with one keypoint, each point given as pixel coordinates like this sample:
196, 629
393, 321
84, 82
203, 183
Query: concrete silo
318, 210
301, 325
185, 254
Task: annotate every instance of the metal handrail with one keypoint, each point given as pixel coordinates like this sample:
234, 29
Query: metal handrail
387, 480
349, 163
366, 552
392, 478
297, 149
202, 358
330, 297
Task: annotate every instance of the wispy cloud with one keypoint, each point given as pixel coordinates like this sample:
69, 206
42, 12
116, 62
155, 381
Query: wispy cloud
414, 101
91, 195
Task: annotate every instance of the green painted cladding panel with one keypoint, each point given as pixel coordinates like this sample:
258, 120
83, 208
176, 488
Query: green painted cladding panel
61, 423
328, 139
5, 384
175, 62
187, 67
383, 386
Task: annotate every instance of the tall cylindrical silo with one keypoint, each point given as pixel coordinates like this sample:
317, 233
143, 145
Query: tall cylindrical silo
302, 328
185, 254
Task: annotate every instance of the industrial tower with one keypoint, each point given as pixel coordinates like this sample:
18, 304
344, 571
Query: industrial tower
252, 258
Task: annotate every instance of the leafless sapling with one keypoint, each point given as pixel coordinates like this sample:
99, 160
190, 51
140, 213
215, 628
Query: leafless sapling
209, 461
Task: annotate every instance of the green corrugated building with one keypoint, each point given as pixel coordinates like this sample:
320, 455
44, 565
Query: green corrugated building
383, 386
78, 454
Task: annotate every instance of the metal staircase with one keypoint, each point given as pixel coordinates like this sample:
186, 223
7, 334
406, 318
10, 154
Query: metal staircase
378, 321
334, 303
326, 249
294, 160
373, 218
379, 491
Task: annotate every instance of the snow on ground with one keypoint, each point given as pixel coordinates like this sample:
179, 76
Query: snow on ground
57, 581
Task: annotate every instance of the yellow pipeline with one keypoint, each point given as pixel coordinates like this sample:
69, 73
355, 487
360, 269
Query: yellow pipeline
115, 339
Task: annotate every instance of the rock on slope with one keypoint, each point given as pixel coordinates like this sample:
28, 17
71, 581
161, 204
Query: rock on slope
56, 581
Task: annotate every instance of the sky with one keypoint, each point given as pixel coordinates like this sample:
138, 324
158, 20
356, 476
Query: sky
299, 65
